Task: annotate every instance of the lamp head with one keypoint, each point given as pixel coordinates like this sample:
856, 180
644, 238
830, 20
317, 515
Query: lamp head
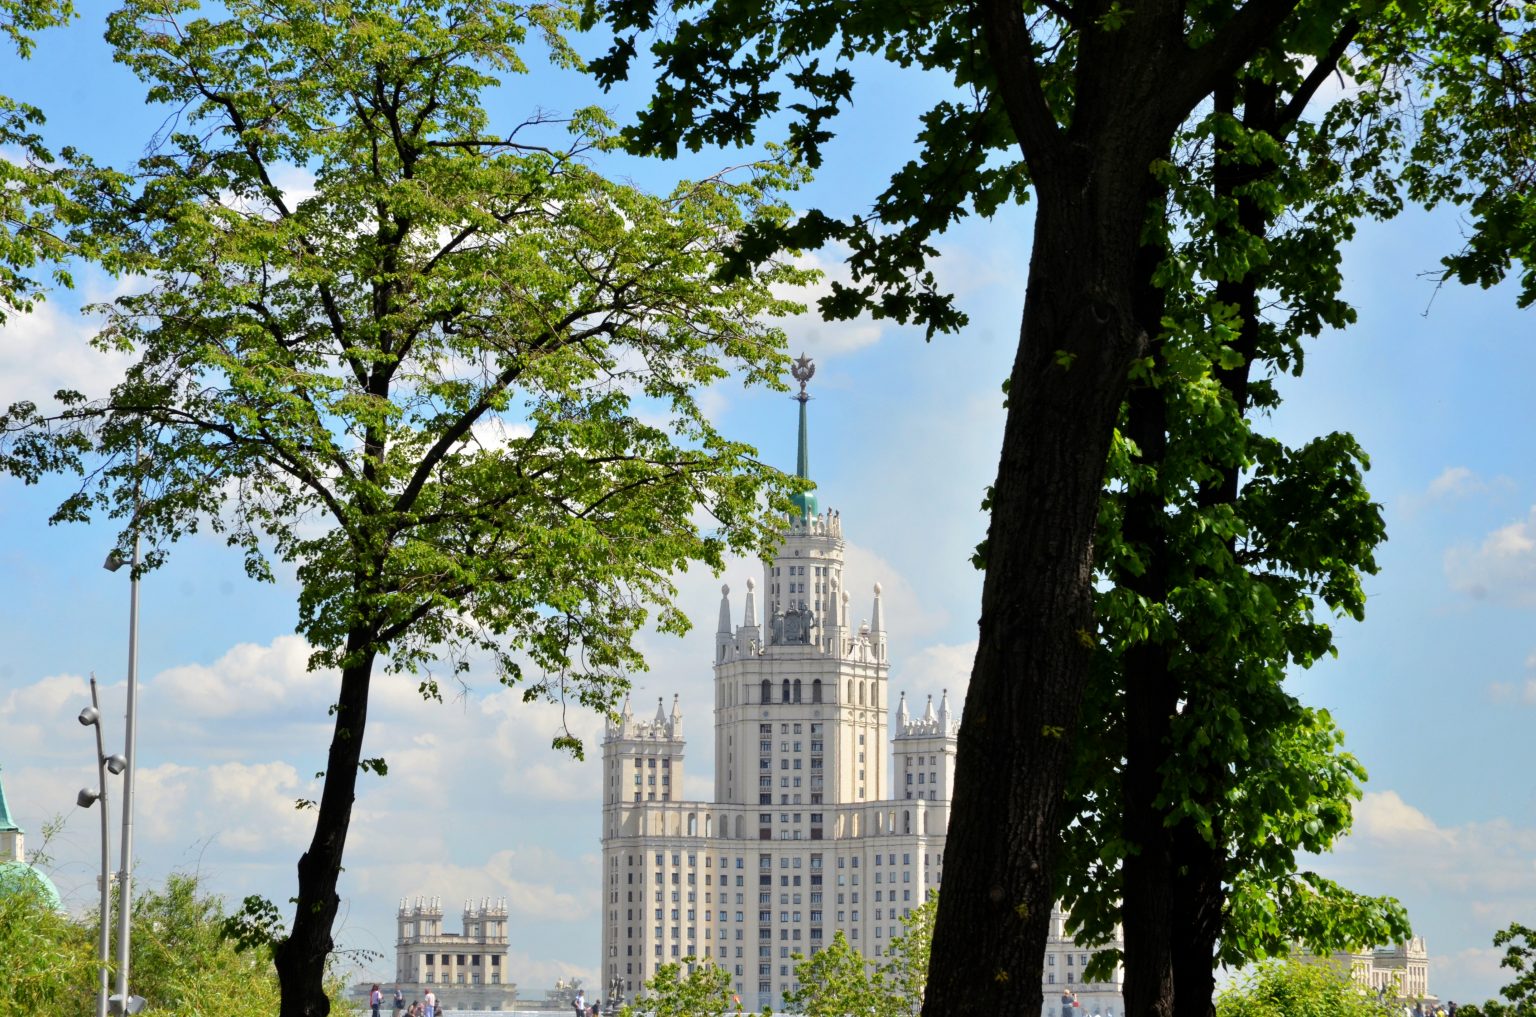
115, 561
88, 716
86, 798
116, 764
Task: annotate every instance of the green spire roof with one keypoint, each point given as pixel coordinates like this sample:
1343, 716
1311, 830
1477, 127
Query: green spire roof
805, 501
7, 825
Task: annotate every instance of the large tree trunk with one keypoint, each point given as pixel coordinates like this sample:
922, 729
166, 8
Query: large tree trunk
1079, 336
301, 958
1151, 693
1077, 341
1199, 895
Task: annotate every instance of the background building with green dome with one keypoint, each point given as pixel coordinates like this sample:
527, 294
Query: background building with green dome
15, 873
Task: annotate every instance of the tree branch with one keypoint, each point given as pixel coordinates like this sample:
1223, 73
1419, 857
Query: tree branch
1012, 51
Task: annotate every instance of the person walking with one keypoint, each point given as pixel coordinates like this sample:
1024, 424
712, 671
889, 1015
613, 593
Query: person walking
375, 1000
430, 1004
399, 1002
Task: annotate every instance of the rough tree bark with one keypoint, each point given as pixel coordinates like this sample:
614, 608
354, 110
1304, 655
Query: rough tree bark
301, 957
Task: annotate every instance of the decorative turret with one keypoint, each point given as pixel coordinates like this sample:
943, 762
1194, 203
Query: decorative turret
925, 751
724, 642
675, 722
877, 627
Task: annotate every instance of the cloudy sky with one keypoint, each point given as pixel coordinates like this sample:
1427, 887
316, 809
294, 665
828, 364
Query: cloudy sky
1436, 689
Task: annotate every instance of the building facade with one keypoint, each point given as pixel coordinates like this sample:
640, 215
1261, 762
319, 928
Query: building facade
822, 819
465, 970
1400, 971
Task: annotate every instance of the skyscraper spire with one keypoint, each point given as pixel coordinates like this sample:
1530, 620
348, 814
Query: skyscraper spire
805, 501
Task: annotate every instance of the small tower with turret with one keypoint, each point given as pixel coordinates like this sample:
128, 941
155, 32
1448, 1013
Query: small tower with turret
643, 759
924, 751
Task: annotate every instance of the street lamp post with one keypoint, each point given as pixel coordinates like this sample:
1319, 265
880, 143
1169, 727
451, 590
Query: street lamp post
124, 1003
91, 717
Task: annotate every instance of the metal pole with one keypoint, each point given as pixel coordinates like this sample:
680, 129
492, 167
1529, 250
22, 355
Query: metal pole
103, 947
125, 875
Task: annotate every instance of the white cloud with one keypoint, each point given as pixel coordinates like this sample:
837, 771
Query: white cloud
495, 433
249, 680
48, 349
33, 716
907, 615
1471, 966
934, 670
807, 331
1385, 816
1502, 568
1455, 482
1460, 883
1487, 865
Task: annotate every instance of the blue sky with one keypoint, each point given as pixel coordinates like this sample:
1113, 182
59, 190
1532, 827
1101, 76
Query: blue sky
1436, 689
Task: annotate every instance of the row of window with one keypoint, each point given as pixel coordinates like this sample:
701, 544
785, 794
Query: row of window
765, 860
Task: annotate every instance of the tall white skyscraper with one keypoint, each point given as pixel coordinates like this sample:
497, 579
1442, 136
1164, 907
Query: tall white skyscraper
822, 819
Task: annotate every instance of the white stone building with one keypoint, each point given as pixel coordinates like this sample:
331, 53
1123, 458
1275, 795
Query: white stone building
465, 970
1400, 971
821, 820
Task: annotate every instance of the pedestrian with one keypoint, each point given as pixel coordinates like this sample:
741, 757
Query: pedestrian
399, 1002
580, 1003
597, 1008
375, 1000
429, 1007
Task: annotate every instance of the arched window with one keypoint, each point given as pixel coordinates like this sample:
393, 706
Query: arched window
906, 821
849, 698
693, 824
874, 695
767, 691
861, 693
816, 691
797, 690
785, 697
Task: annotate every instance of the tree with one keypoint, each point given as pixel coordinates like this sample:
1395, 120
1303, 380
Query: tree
1519, 995
29, 184
1218, 546
50, 965
181, 961
1095, 96
1092, 95
692, 988
1298, 989
454, 386
837, 980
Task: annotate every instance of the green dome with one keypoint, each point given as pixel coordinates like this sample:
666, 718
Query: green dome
16, 877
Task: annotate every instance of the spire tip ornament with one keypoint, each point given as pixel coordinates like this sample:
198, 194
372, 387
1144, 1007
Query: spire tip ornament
803, 369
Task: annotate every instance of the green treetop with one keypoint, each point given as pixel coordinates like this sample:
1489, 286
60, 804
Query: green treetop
450, 376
